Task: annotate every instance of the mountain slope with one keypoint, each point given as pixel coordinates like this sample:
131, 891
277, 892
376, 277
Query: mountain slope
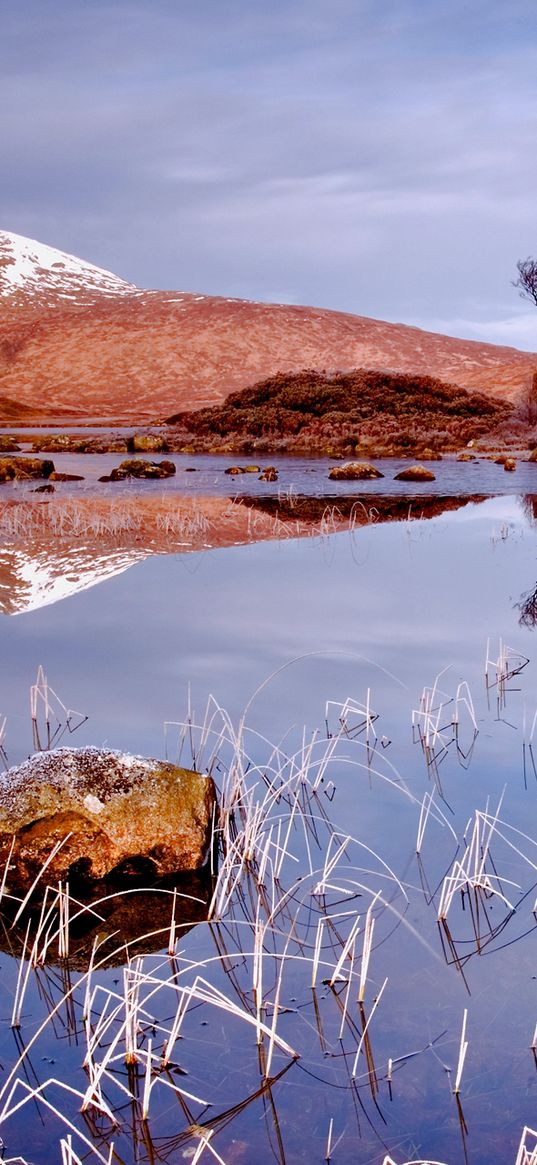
71, 337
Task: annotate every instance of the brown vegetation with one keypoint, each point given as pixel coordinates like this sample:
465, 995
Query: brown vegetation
366, 411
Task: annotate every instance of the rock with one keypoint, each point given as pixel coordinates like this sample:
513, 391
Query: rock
509, 464
137, 467
115, 814
70, 443
466, 457
500, 460
415, 473
44, 489
23, 468
354, 471
190, 469
8, 444
430, 455
65, 477
251, 469
57, 443
269, 474
147, 443
533, 455
234, 469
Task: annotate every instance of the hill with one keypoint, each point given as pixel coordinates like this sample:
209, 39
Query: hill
75, 337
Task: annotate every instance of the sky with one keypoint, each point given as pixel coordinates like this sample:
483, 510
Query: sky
371, 156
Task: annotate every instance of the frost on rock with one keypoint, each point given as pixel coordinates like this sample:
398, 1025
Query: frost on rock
104, 808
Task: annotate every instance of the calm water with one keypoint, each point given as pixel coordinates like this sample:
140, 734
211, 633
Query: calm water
301, 475
383, 610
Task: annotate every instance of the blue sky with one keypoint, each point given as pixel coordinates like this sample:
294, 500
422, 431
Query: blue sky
374, 156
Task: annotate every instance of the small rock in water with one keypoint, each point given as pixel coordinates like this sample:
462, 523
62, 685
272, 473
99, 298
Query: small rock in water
415, 473
354, 471
65, 477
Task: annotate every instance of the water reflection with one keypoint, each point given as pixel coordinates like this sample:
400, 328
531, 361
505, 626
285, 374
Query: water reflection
346, 847
126, 918
62, 548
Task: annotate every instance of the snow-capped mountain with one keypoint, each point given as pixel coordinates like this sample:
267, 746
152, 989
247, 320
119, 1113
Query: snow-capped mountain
31, 272
77, 339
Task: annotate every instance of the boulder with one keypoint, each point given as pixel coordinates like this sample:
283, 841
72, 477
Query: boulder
147, 443
234, 470
44, 489
57, 443
354, 471
415, 473
137, 467
115, 475
269, 474
509, 464
71, 443
533, 455
8, 444
114, 814
466, 457
22, 468
430, 455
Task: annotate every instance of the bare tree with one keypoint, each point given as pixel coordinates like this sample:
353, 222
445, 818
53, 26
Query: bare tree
527, 279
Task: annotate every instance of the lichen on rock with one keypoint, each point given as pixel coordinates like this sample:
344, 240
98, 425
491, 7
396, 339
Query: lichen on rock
354, 471
107, 810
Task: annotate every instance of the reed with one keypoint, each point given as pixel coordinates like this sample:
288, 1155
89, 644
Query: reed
296, 899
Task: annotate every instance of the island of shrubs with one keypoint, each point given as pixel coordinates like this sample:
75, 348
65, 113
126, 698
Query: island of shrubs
343, 413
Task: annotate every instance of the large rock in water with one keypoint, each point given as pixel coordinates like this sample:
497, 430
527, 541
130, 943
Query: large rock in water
113, 813
137, 467
21, 468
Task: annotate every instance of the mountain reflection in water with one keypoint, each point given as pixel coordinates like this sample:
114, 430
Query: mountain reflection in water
55, 550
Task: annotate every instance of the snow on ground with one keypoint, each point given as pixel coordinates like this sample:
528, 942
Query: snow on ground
34, 268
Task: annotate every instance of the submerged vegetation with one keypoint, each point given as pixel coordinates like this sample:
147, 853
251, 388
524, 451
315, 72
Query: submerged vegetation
361, 411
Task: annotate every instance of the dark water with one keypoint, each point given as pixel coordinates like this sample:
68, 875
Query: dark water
383, 610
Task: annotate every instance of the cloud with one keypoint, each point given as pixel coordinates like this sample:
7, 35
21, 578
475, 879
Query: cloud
513, 331
374, 158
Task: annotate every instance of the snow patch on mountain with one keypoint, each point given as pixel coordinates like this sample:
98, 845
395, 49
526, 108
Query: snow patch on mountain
40, 272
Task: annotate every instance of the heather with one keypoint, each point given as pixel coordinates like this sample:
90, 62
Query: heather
362, 410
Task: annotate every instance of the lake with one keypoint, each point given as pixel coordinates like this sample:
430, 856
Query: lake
373, 693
